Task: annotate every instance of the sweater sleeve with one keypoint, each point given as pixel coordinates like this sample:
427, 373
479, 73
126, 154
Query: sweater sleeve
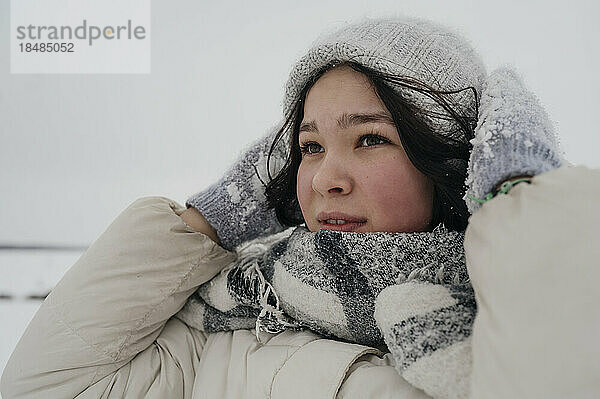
106, 325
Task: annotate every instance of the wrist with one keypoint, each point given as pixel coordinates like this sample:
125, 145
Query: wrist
193, 218
510, 180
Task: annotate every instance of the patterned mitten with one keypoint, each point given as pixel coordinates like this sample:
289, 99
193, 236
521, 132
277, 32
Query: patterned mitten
235, 206
427, 328
513, 137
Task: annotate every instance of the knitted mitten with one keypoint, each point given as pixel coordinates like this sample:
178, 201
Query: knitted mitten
513, 137
235, 206
427, 328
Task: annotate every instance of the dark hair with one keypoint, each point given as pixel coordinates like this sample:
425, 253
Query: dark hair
441, 158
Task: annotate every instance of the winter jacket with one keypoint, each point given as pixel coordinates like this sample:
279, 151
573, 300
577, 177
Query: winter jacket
108, 330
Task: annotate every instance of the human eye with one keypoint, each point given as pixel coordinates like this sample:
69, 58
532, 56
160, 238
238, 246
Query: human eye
305, 147
378, 139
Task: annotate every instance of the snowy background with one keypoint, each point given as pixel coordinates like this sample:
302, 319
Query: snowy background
75, 150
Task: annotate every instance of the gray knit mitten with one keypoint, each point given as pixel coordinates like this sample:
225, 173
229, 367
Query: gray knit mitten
235, 206
513, 137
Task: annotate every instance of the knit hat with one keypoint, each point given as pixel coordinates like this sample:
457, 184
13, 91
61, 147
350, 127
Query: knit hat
405, 46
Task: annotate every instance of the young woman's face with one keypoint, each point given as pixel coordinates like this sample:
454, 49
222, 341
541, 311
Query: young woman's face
345, 169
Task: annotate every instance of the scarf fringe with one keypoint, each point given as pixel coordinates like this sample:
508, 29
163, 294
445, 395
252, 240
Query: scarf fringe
423, 273
256, 289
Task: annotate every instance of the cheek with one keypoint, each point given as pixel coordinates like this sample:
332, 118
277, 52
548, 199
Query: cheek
399, 195
304, 187
384, 186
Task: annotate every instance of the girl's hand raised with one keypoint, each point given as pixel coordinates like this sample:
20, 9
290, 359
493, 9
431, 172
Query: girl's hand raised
514, 137
235, 205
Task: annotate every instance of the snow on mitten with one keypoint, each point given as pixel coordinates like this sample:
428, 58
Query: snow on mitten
513, 137
427, 328
235, 206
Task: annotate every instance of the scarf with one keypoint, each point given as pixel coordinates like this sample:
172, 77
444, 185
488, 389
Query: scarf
404, 293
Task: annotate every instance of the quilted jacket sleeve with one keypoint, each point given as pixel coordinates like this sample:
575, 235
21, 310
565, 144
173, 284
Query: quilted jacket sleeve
532, 256
110, 315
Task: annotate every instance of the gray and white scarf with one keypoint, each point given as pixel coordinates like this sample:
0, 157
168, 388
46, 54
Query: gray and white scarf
407, 293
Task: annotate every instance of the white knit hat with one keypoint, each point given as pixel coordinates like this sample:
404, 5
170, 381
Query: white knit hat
404, 46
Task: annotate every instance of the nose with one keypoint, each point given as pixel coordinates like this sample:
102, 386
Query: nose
332, 178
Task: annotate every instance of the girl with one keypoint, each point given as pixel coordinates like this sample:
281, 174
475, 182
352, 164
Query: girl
345, 254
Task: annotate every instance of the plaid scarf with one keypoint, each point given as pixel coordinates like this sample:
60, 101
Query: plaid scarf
407, 293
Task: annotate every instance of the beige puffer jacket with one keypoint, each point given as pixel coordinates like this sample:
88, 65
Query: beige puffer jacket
107, 329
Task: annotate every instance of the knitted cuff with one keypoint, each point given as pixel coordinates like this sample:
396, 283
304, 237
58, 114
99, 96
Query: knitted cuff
235, 206
514, 136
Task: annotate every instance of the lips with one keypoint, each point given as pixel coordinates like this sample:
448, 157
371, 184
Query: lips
341, 227
352, 222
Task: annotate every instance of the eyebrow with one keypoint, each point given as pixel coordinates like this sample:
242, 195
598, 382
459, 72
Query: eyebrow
348, 120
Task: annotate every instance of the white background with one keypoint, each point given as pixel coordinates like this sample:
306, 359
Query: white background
75, 150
